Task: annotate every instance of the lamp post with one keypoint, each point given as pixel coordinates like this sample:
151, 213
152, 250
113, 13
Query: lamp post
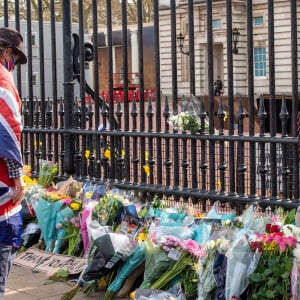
235, 39
180, 41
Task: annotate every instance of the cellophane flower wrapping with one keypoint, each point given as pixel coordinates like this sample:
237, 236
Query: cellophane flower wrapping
295, 281
174, 293
189, 117
170, 222
133, 261
62, 217
240, 260
157, 263
46, 215
206, 282
47, 172
108, 252
185, 254
295, 276
185, 121
85, 217
108, 210
91, 192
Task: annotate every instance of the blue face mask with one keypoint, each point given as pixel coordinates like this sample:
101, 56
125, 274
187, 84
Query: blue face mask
10, 65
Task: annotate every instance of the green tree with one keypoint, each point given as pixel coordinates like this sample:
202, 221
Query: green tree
147, 11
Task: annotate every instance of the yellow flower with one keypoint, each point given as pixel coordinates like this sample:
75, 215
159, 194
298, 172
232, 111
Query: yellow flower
225, 115
27, 170
75, 206
147, 169
196, 267
35, 144
28, 180
141, 237
102, 283
131, 296
123, 153
107, 153
87, 154
89, 195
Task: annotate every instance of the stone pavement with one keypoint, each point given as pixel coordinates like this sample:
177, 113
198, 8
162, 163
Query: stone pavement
24, 284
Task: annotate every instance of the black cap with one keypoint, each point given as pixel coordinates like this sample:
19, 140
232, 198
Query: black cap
22, 57
10, 38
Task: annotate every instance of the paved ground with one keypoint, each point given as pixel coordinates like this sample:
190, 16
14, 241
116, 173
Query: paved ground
23, 284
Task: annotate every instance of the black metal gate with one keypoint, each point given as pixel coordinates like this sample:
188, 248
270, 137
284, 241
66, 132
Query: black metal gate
98, 98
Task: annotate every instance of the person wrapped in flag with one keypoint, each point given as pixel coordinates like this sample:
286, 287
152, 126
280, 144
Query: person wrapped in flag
11, 184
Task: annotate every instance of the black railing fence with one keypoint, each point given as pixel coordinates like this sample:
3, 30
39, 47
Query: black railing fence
246, 149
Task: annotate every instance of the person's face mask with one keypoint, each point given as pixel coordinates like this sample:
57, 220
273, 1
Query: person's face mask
10, 65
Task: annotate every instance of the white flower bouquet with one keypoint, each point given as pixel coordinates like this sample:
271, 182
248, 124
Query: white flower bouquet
185, 121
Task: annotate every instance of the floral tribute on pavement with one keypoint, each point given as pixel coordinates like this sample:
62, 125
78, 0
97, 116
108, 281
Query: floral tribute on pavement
139, 248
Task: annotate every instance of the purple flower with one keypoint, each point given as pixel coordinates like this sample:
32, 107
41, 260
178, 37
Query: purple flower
59, 226
166, 249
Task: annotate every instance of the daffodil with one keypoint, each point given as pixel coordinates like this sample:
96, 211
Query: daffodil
102, 283
75, 206
147, 169
87, 154
146, 155
107, 153
131, 296
225, 116
28, 180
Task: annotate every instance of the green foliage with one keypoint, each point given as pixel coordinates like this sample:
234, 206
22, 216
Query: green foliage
107, 209
272, 269
290, 217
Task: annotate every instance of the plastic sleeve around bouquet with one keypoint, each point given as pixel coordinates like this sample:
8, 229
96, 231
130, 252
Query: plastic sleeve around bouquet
295, 281
206, 282
219, 271
65, 213
157, 263
48, 171
107, 246
239, 259
129, 266
181, 232
46, 215
175, 292
85, 214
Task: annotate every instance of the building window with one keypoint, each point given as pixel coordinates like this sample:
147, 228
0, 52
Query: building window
260, 69
216, 24
258, 21
34, 79
33, 39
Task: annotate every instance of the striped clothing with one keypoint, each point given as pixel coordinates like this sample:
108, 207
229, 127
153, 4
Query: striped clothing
10, 136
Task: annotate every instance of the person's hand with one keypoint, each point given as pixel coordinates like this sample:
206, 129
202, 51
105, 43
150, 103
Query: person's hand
19, 190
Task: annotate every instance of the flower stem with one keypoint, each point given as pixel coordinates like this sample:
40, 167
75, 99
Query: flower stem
184, 261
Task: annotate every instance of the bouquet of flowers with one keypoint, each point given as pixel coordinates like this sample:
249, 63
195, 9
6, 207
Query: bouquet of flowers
185, 121
275, 265
48, 170
206, 276
186, 254
188, 119
157, 263
70, 229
